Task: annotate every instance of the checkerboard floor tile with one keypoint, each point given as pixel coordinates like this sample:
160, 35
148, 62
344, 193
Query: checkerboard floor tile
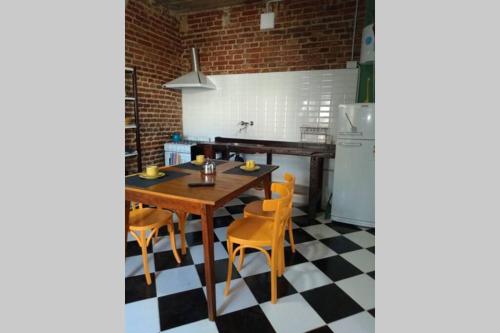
337, 268
304, 221
142, 316
240, 297
362, 238
322, 329
340, 244
292, 314
328, 285
261, 288
175, 280
133, 265
299, 236
359, 323
362, 259
359, 288
314, 250
249, 320
320, 231
254, 263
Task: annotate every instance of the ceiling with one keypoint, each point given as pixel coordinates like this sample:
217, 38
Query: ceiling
186, 6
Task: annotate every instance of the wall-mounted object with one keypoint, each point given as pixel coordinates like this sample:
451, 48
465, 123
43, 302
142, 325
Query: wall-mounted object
366, 81
314, 134
267, 18
267, 21
193, 79
244, 125
368, 45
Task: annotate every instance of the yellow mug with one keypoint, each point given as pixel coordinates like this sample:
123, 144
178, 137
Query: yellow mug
200, 158
250, 164
152, 170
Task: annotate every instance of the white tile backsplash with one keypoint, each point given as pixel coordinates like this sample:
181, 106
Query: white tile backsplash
278, 103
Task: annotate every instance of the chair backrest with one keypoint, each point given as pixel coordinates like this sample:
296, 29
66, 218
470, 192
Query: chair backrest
282, 211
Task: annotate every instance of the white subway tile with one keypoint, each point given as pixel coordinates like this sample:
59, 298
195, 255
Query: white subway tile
278, 103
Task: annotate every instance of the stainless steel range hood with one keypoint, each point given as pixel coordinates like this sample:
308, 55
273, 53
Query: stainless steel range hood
193, 79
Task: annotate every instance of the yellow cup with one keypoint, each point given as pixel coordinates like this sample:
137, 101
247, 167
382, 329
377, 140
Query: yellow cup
200, 158
250, 164
152, 170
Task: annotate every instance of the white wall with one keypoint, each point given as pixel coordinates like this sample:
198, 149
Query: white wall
278, 103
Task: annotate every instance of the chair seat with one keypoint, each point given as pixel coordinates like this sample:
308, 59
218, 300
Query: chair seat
254, 208
147, 218
251, 231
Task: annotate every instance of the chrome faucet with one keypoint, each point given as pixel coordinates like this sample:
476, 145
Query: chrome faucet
244, 125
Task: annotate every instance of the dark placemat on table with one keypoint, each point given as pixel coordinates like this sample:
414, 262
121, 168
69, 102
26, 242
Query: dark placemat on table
264, 168
191, 166
140, 182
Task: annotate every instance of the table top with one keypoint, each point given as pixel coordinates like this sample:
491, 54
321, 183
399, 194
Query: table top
226, 185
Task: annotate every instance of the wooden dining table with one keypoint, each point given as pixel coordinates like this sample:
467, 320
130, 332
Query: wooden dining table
177, 196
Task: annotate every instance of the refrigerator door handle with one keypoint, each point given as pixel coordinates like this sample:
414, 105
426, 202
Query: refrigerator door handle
353, 128
349, 144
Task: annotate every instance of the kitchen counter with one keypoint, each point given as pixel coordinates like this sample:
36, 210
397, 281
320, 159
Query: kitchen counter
316, 152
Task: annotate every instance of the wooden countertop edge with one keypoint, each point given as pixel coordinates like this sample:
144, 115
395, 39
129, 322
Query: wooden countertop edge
273, 149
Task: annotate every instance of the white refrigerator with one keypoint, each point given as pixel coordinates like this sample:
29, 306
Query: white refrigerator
353, 198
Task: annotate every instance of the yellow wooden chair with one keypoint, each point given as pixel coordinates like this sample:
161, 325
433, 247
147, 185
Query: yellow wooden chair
182, 229
254, 209
257, 233
150, 219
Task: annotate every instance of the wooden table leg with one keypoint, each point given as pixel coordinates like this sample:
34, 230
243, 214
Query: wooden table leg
127, 211
225, 154
269, 158
207, 225
267, 185
315, 185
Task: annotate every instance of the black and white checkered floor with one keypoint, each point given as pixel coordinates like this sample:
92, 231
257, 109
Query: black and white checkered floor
328, 285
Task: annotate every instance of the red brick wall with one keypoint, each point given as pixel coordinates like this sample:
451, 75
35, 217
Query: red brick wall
153, 46
308, 35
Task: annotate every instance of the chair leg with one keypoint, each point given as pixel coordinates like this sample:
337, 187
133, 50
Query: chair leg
274, 269
242, 257
171, 233
155, 236
290, 235
144, 250
182, 230
281, 260
229, 267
